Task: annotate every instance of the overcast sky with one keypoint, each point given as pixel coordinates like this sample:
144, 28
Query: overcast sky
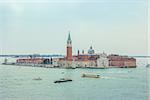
37, 26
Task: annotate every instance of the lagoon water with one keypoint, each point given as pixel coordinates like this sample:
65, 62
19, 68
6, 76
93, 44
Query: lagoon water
16, 83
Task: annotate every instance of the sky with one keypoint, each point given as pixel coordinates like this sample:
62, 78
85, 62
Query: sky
42, 26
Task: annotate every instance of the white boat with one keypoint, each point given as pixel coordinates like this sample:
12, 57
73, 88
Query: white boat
90, 76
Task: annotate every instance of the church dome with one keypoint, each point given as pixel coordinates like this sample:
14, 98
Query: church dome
91, 50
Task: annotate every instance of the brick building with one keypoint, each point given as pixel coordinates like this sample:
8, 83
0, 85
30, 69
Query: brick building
121, 61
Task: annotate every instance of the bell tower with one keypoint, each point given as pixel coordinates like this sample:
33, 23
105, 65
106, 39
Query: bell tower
69, 48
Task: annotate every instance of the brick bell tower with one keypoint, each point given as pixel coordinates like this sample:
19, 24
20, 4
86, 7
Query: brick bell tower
69, 48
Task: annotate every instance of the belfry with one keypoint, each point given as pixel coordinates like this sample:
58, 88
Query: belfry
69, 48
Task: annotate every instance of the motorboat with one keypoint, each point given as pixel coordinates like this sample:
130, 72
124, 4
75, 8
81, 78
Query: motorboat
90, 76
63, 80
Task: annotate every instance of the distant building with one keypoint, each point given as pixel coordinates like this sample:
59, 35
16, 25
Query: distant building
33, 61
121, 61
102, 61
93, 60
82, 60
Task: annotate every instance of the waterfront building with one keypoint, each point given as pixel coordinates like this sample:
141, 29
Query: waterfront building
82, 60
103, 61
121, 61
33, 61
93, 60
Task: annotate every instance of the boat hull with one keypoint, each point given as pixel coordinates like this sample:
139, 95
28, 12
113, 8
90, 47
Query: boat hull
63, 80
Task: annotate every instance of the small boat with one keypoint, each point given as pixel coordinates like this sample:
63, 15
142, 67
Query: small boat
37, 78
90, 76
63, 80
8, 63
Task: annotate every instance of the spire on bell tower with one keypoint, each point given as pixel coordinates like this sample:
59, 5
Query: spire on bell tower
69, 42
69, 37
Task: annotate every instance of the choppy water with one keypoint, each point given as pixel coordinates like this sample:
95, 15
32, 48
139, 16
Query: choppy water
16, 83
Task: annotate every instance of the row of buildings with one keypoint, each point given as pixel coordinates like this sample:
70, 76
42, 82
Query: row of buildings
83, 60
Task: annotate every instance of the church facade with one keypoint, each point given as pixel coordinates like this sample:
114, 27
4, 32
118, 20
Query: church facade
82, 60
